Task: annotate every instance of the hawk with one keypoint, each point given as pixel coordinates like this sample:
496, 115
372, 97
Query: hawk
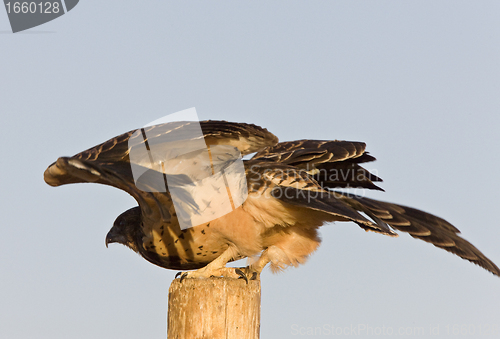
294, 187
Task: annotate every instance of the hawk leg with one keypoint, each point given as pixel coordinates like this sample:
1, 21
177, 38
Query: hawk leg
279, 257
217, 268
253, 271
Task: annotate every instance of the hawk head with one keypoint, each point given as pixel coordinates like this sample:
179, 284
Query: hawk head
125, 228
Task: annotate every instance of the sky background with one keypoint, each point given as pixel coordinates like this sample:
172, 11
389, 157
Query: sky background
419, 82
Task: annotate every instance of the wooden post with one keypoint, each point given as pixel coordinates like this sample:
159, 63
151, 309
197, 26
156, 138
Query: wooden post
215, 308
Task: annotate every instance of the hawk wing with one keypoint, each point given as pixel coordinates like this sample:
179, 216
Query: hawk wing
109, 163
423, 226
334, 164
296, 187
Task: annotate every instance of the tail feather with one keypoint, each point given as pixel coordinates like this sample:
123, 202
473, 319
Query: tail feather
423, 226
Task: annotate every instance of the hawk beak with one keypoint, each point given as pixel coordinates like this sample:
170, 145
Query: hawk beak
109, 239
113, 236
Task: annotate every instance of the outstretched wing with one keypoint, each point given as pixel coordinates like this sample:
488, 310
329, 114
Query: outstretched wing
69, 170
297, 188
312, 167
333, 164
421, 225
110, 163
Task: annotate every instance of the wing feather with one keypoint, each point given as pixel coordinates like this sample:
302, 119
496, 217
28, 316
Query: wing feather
334, 164
423, 226
297, 188
109, 163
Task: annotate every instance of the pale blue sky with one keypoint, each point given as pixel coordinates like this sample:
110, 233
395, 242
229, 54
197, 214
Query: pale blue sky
419, 82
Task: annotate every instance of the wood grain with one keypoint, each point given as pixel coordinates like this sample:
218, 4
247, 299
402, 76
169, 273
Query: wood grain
215, 308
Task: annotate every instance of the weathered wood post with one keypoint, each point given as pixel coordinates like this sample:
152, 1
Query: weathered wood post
215, 308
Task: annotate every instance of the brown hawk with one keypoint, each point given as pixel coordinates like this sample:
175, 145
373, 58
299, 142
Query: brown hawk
293, 187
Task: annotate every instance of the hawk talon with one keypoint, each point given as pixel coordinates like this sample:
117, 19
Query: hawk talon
177, 275
241, 274
254, 276
183, 277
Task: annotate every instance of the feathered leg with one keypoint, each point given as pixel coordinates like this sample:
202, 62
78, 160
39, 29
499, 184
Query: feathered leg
217, 268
